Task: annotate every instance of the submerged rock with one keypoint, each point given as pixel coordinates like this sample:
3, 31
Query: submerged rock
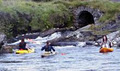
8, 48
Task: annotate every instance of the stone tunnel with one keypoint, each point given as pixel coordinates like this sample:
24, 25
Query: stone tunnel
83, 16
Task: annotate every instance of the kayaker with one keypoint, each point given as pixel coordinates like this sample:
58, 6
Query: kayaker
22, 45
105, 39
105, 42
48, 47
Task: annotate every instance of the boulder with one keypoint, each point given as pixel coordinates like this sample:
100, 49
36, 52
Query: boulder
80, 35
2, 39
8, 48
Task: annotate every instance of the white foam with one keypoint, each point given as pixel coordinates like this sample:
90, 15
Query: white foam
41, 41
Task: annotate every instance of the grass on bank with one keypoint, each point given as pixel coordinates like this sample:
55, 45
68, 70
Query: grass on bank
47, 14
44, 15
45, 9
110, 9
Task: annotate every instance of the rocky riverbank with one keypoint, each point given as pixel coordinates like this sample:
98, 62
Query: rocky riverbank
80, 36
77, 21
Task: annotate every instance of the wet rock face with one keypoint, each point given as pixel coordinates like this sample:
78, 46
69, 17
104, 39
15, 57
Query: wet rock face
85, 15
111, 26
2, 39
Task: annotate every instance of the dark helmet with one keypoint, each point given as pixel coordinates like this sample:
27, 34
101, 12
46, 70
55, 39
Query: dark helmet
105, 38
47, 42
22, 40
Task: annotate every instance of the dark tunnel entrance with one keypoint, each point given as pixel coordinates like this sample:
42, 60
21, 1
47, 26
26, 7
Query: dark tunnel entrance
85, 18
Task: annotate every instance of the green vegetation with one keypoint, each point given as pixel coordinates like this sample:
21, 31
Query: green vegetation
41, 15
109, 8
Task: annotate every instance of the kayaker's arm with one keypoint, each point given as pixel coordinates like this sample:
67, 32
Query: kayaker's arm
19, 46
52, 48
27, 46
42, 48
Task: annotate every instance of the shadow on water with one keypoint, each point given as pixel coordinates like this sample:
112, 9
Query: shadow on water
10, 61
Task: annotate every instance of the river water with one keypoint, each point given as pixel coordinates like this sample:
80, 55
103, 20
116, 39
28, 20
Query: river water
68, 58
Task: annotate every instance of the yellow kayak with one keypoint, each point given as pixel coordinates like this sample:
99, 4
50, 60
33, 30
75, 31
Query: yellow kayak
105, 50
46, 54
25, 51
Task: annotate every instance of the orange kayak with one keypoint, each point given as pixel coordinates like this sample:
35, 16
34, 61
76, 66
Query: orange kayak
105, 50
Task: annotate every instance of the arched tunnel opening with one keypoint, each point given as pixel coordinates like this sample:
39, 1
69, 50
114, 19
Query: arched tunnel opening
85, 18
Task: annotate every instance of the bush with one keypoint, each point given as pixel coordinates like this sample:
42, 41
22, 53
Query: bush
30, 16
41, 0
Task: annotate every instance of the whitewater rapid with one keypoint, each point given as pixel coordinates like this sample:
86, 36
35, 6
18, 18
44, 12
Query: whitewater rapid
68, 58
41, 41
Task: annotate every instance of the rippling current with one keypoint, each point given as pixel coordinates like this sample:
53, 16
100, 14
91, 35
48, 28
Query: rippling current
68, 58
